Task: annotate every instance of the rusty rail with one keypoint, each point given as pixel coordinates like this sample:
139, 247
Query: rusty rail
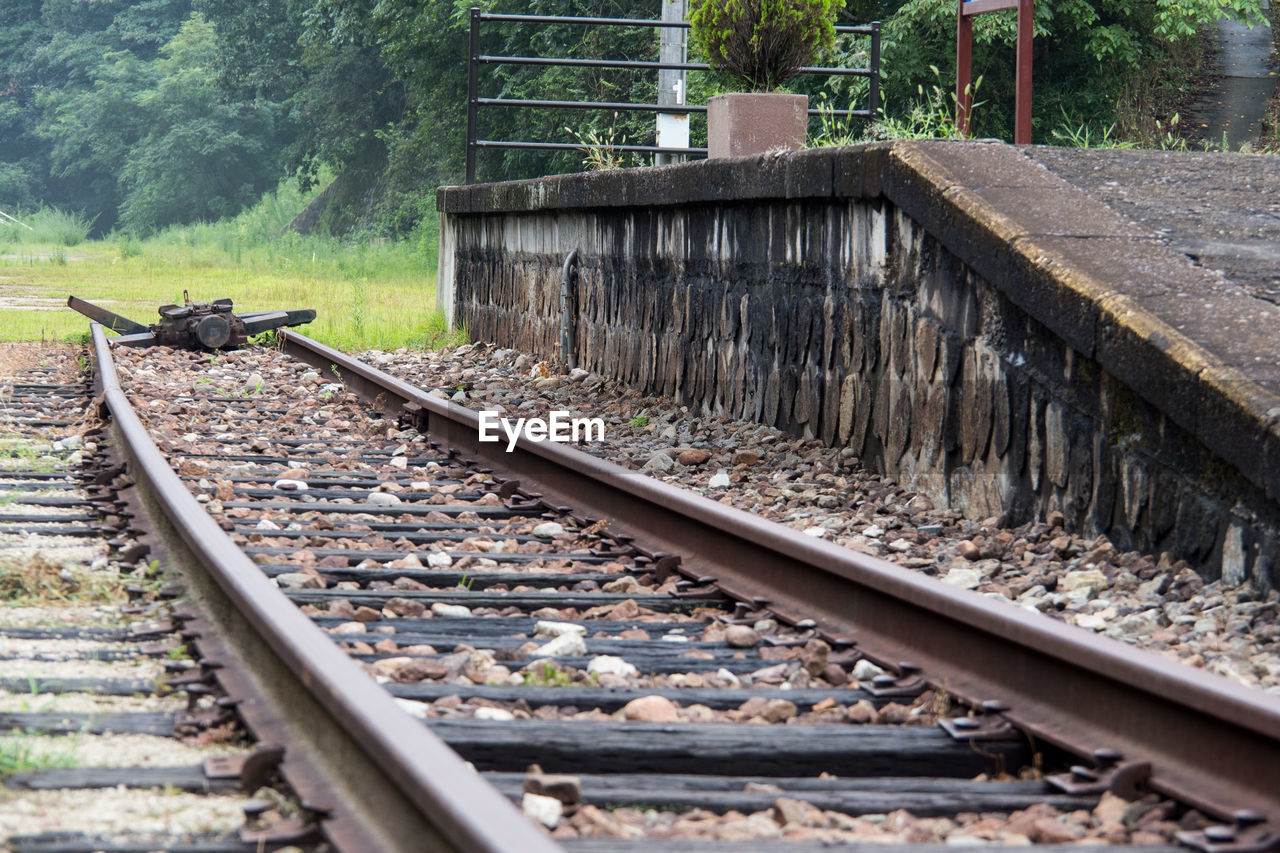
387, 783
1211, 743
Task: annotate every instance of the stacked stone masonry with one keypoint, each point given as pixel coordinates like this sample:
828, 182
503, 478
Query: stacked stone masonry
854, 297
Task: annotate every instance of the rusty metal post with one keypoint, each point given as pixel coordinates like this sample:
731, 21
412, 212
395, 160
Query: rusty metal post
569, 311
964, 62
1022, 113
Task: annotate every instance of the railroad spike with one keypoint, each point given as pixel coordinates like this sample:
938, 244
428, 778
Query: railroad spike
1249, 834
1123, 778
986, 727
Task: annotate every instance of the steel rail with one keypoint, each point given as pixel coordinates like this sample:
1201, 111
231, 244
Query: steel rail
398, 783
1212, 743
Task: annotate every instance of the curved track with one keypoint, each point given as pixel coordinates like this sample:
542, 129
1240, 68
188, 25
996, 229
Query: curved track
652, 575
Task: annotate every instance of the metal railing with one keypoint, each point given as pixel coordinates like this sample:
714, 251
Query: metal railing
476, 59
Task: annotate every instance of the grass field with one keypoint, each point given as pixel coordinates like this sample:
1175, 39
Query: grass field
363, 297
365, 294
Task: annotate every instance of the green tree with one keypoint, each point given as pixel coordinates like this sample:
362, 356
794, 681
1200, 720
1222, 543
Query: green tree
199, 158
1086, 52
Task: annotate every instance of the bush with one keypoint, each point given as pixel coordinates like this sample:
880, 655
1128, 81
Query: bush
48, 226
763, 43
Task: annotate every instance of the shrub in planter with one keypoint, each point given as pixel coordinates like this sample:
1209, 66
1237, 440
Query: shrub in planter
763, 43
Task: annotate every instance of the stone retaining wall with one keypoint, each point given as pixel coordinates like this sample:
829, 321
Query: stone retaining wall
962, 318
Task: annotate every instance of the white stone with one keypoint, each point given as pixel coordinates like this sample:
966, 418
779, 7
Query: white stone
382, 499
570, 644
267, 524
439, 560
547, 529
1085, 579
399, 462
815, 532
499, 714
873, 531
728, 677
421, 710
865, 670
544, 810
610, 665
287, 485
298, 580
547, 628
254, 383
1091, 621
420, 486
719, 480
450, 611
964, 578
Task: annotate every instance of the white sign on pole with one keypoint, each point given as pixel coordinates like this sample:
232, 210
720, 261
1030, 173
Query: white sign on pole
673, 128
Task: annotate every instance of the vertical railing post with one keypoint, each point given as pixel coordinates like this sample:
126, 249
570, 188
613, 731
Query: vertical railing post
473, 86
964, 60
875, 70
1022, 94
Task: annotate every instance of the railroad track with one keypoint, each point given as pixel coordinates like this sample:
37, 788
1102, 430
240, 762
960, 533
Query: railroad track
680, 673
82, 674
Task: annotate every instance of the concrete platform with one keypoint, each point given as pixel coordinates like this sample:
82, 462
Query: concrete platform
1121, 308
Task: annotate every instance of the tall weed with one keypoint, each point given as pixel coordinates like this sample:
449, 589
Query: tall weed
46, 226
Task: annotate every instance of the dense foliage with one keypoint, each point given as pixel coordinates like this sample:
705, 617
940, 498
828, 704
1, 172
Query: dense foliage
762, 43
138, 114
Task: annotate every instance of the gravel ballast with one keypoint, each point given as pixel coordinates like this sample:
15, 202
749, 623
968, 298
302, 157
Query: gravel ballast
1143, 599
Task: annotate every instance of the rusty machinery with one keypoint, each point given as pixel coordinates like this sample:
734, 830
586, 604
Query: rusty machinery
193, 325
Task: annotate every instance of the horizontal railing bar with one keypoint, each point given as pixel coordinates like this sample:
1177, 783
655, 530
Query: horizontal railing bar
592, 105
569, 19
623, 22
644, 65
675, 109
569, 146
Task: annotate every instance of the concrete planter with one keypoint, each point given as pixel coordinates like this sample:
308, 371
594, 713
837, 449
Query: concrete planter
745, 123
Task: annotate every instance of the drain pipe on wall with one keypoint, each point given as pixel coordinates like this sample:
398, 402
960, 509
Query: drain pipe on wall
569, 310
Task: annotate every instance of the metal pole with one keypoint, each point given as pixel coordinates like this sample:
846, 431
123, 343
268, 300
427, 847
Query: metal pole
473, 86
672, 129
874, 99
1022, 113
964, 58
569, 311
